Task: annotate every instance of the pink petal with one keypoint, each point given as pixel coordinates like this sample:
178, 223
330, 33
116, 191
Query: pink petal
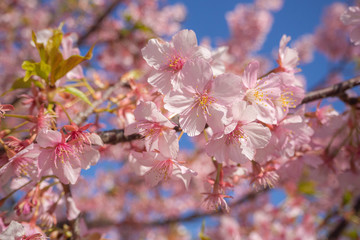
266, 112
250, 74
96, 140
136, 166
89, 157
217, 148
72, 212
156, 53
66, 173
184, 42
169, 144
257, 134
131, 129
192, 121
46, 159
162, 79
14, 231
177, 102
243, 112
240, 154
48, 138
197, 75
227, 88
216, 119
183, 173
355, 35
201, 52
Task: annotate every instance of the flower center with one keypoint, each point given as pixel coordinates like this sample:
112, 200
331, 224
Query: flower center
255, 95
176, 63
286, 100
23, 166
235, 136
204, 101
63, 151
165, 169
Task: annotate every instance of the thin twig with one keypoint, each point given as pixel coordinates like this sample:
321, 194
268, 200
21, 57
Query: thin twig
75, 224
199, 214
81, 118
342, 225
98, 21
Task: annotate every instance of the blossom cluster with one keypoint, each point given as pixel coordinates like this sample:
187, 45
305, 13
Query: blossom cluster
142, 93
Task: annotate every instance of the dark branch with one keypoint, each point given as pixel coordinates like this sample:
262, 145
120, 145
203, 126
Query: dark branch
130, 223
98, 21
337, 231
332, 91
117, 136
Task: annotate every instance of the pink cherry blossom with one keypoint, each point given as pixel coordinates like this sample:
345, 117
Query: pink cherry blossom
241, 138
16, 231
59, 156
158, 131
291, 133
352, 17
168, 59
4, 108
62, 158
260, 93
203, 99
292, 93
288, 58
24, 163
156, 167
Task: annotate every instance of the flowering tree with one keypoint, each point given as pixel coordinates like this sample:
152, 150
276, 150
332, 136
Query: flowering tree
140, 87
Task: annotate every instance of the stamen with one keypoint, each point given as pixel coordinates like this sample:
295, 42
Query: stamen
176, 63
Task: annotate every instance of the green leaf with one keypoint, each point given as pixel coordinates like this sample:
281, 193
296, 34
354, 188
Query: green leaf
347, 197
202, 235
40, 47
307, 187
21, 83
76, 92
52, 49
40, 69
69, 64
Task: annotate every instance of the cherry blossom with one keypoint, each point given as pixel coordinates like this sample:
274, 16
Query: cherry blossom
241, 138
158, 130
261, 93
61, 157
168, 59
156, 167
203, 99
352, 17
4, 108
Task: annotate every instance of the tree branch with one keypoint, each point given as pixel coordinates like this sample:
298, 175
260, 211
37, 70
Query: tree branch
97, 22
81, 118
332, 91
127, 223
337, 231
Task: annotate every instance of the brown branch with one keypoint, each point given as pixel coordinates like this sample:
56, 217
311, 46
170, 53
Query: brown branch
98, 21
116, 136
75, 225
332, 91
342, 225
81, 118
130, 223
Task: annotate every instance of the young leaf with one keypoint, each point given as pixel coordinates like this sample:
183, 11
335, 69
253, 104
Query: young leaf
40, 69
76, 92
67, 65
